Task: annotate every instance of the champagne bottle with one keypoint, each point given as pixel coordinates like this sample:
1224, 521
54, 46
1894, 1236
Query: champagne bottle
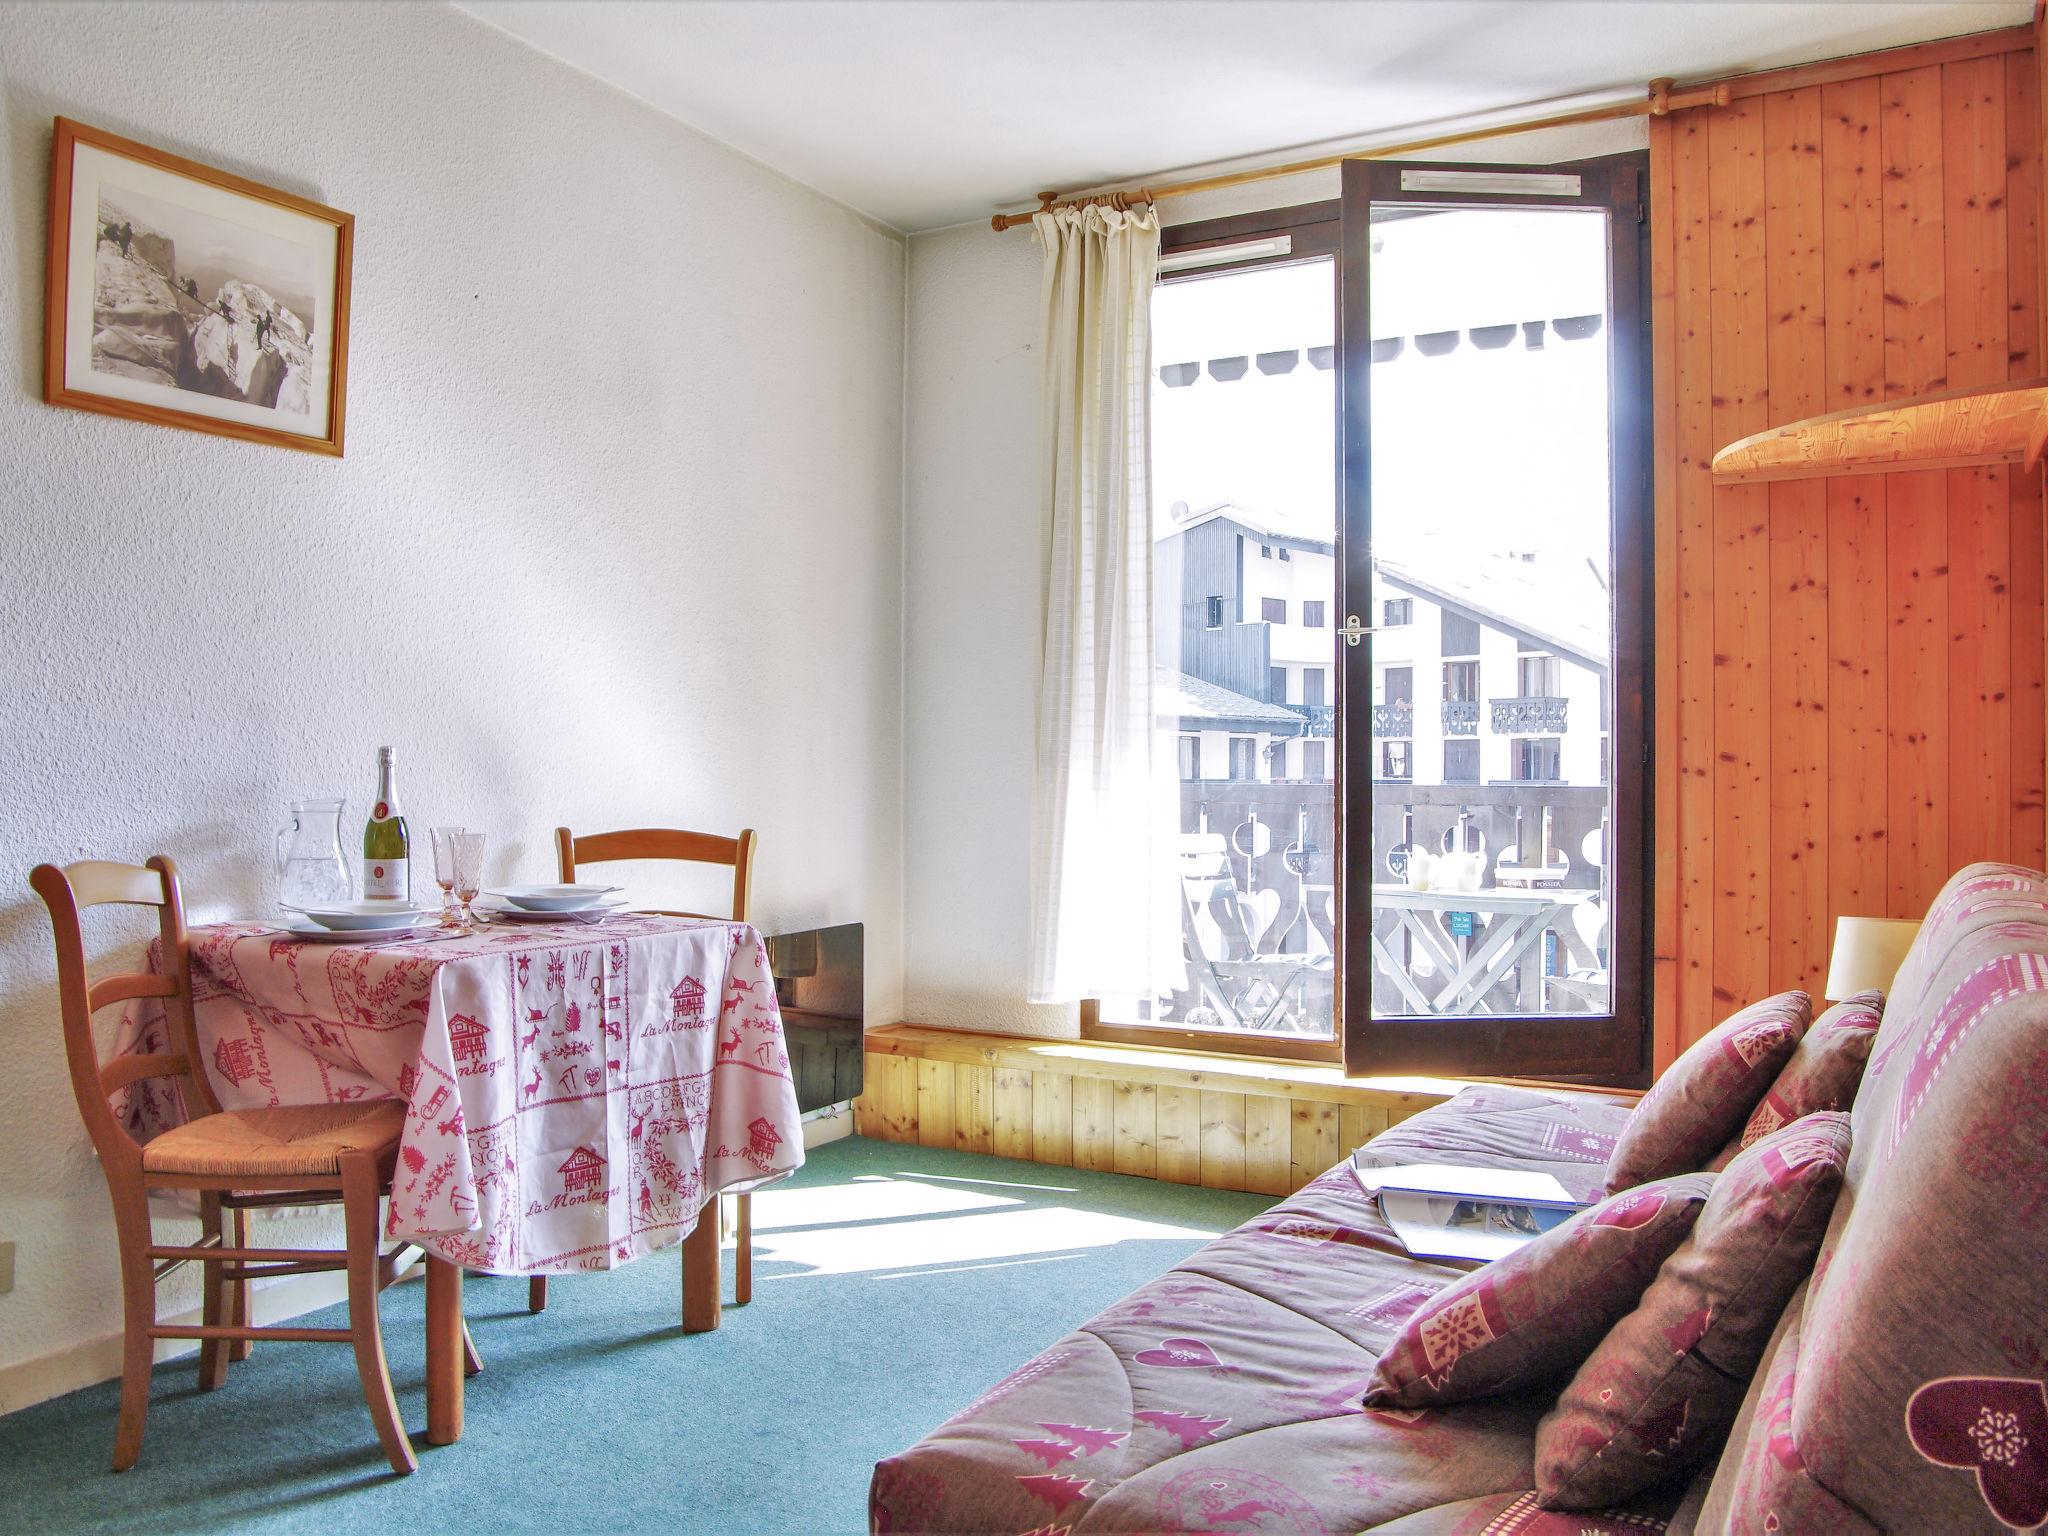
387, 846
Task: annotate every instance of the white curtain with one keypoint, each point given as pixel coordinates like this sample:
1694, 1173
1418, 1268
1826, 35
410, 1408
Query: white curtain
1101, 917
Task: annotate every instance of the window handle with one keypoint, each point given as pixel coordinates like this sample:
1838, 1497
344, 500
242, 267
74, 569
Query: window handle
1353, 631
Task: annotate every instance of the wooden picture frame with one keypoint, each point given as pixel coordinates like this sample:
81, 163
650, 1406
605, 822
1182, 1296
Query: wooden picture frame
243, 333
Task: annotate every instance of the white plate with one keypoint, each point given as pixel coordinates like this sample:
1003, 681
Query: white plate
555, 898
591, 914
313, 933
364, 915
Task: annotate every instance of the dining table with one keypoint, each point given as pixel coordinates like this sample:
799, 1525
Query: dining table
577, 1094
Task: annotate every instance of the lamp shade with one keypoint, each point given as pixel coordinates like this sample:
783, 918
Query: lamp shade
1867, 954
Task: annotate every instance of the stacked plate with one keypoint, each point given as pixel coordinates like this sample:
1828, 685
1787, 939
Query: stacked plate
357, 922
554, 903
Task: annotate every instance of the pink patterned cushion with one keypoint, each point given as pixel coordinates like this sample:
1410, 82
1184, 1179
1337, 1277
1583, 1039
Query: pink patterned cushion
1660, 1392
1822, 1074
1537, 1312
1701, 1102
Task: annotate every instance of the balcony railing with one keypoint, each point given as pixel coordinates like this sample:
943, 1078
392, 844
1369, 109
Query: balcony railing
1538, 715
1461, 717
1395, 720
1322, 719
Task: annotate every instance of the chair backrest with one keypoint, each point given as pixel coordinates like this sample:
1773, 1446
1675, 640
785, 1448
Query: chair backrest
664, 843
67, 892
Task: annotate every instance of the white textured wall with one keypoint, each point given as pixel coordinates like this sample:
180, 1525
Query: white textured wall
973, 610
973, 546
617, 539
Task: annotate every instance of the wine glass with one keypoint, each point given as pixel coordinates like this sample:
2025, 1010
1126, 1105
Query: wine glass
444, 872
469, 871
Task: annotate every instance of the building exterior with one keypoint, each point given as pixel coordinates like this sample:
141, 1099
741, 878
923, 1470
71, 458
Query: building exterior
1487, 669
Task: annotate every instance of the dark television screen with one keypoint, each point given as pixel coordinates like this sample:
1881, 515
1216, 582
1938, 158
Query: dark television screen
819, 985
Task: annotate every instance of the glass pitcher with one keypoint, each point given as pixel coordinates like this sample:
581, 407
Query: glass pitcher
311, 868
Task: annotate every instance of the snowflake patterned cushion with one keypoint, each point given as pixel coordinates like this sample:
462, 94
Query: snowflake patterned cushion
1538, 1312
1822, 1073
1657, 1396
1703, 1100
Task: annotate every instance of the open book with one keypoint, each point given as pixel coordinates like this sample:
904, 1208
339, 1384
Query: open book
1447, 1211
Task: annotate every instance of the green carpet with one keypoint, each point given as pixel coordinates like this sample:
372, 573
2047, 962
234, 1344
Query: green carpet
892, 1284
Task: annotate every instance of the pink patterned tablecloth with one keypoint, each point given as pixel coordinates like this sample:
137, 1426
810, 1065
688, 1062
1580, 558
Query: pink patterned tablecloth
575, 1094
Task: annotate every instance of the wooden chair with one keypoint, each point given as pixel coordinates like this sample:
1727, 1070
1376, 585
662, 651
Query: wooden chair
291, 1155
692, 848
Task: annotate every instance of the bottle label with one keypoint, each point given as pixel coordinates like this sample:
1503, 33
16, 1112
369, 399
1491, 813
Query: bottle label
381, 812
383, 879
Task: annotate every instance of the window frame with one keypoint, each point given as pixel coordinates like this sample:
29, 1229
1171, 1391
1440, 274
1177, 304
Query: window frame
1611, 1049
1248, 747
1315, 233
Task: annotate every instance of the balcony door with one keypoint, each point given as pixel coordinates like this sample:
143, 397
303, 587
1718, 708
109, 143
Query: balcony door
1495, 506
1400, 567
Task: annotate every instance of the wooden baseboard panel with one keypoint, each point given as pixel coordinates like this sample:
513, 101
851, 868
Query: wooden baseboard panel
1225, 1122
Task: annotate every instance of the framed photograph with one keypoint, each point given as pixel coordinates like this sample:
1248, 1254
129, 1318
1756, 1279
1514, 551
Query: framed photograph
190, 297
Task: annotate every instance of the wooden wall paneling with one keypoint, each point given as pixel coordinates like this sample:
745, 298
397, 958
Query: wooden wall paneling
1268, 1145
1690, 622
887, 1107
1742, 852
935, 1085
1222, 1140
1312, 1142
974, 1108
1052, 1118
1355, 1127
1796, 358
1122, 1111
1916, 521
1664, 582
1858, 628
1180, 1135
1946, 50
1094, 1124
1664, 860
1010, 1126
1137, 1130
1977, 315
2024, 360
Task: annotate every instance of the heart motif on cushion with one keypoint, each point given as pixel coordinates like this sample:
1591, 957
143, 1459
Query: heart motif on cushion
1178, 1352
1632, 1210
1995, 1426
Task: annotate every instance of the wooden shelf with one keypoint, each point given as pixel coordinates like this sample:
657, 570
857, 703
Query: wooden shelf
2002, 424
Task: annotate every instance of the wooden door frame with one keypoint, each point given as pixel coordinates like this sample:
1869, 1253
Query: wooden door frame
1612, 1049
1314, 233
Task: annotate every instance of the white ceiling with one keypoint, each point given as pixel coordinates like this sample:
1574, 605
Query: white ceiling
924, 113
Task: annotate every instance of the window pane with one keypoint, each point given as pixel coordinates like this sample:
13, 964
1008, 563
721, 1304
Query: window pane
1491, 891
1244, 462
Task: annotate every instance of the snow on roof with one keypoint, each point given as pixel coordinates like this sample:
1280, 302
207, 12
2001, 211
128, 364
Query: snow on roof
1265, 525
1177, 695
1555, 601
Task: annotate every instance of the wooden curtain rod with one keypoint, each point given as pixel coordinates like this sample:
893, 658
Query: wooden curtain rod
1660, 99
